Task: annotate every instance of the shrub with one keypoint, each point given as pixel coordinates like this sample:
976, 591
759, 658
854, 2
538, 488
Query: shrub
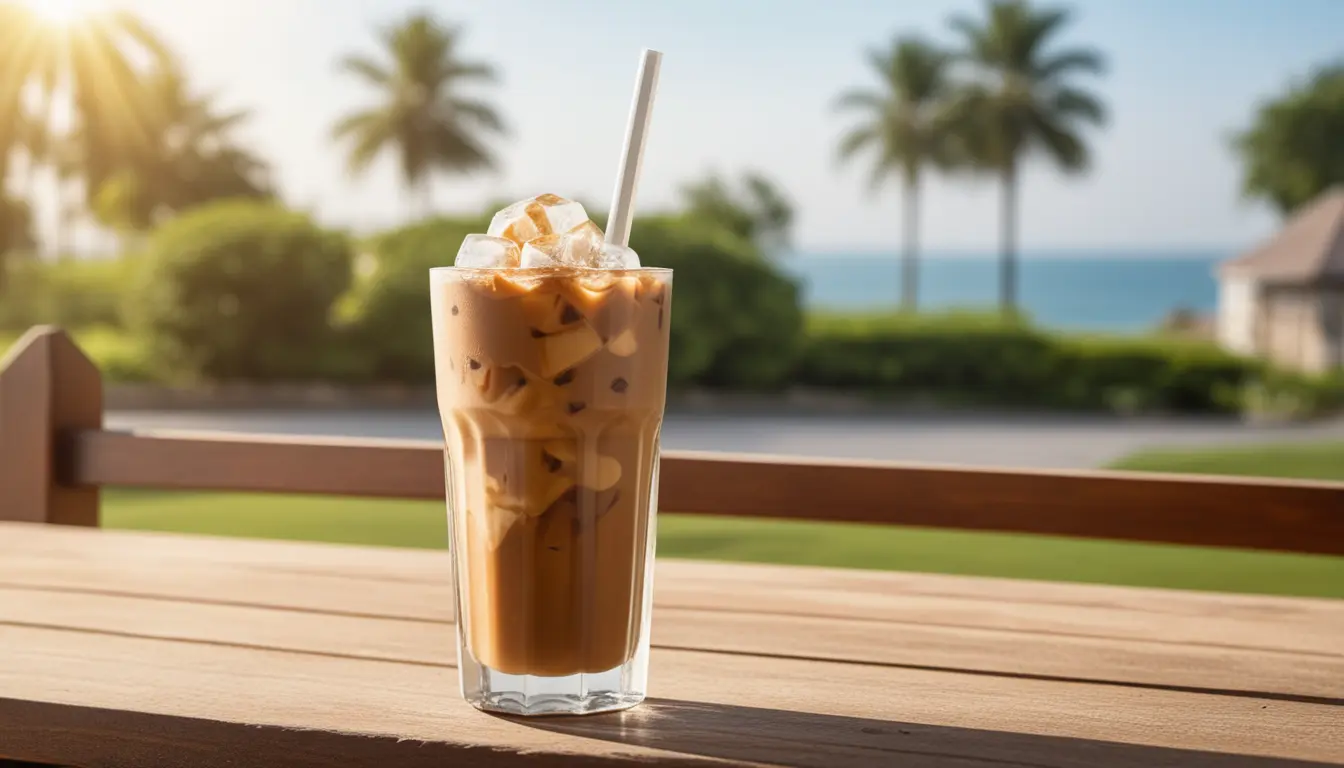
951, 357
736, 321
69, 293
241, 290
981, 358
1287, 395
1151, 375
386, 316
120, 357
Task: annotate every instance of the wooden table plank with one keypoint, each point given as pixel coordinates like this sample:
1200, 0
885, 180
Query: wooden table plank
744, 708
316, 576
1275, 675
99, 622
1210, 662
1172, 616
401, 564
1314, 631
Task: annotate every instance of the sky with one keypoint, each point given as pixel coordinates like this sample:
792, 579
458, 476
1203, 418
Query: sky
751, 84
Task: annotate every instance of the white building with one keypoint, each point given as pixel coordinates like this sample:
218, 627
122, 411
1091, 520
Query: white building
1284, 301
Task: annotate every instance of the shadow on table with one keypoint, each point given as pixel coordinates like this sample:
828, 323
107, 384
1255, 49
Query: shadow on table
828, 741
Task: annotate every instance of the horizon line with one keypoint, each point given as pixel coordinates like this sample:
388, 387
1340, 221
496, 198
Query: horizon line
1170, 251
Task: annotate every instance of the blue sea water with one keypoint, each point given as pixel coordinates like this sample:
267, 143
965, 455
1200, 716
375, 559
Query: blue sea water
1114, 291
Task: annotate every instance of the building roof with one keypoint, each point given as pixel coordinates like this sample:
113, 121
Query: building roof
1309, 248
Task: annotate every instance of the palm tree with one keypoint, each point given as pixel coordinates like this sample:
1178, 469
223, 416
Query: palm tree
197, 148
906, 125
193, 158
13, 120
97, 63
422, 116
1021, 101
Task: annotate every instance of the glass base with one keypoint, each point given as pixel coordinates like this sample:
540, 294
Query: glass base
582, 694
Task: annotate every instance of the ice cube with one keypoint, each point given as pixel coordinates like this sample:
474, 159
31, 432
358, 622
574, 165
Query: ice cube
595, 471
486, 252
529, 219
493, 524
507, 285
567, 349
541, 252
601, 474
613, 256
549, 312
581, 246
624, 344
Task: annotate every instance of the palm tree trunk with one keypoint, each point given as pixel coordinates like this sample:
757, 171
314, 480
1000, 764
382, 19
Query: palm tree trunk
910, 254
1008, 241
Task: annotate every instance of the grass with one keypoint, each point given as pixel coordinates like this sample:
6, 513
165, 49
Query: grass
1309, 461
421, 524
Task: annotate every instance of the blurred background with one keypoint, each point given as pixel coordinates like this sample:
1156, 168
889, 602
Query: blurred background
1028, 234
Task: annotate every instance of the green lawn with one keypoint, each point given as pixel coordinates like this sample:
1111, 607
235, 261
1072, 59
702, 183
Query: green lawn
1311, 461
421, 524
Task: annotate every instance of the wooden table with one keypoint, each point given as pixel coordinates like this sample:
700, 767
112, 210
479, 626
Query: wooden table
134, 649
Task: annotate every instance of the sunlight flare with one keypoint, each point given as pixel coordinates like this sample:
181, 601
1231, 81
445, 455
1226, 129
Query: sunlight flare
63, 12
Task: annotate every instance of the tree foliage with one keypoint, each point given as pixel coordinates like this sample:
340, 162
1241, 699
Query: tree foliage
241, 289
1023, 101
1005, 93
100, 62
905, 124
1294, 148
193, 158
422, 116
758, 211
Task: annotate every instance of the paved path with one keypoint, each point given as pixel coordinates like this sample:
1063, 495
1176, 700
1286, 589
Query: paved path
987, 440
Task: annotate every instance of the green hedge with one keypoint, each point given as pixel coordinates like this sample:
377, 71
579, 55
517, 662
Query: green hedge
241, 290
1150, 375
248, 290
385, 317
1283, 394
736, 319
981, 359
950, 357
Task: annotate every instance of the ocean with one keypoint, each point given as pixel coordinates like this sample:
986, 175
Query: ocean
1092, 291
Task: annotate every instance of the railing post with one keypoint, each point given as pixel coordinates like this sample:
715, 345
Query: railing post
47, 387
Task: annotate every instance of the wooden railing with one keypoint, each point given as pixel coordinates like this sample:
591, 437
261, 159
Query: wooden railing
55, 455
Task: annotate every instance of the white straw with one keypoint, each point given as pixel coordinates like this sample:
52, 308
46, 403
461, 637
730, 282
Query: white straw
636, 132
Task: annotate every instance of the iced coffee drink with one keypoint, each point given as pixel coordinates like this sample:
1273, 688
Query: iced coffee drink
551, 361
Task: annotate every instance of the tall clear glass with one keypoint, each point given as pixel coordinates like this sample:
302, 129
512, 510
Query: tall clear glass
551, 386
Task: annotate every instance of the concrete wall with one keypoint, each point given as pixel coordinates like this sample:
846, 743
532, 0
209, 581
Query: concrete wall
1332, 321
1291, 329
1237, 301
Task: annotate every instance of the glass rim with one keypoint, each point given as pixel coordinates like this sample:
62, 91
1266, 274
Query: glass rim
550, 270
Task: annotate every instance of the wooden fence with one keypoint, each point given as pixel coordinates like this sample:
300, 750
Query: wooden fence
55, 455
